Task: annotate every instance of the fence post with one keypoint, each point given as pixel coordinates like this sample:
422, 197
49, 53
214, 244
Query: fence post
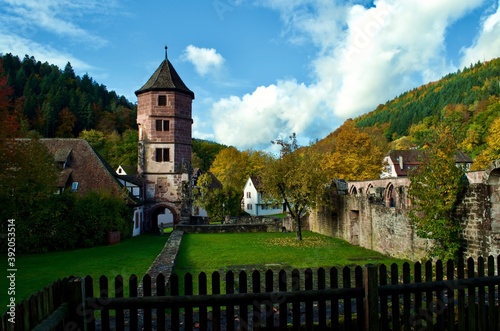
371, 298
75, 295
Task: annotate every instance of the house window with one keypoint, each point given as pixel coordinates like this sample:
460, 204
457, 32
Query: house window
162, 155
249, 195
136, 220
162, 125
249, 206
162, 100
74, 187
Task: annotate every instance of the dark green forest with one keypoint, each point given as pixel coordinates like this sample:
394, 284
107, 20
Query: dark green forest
58, 103
45, 100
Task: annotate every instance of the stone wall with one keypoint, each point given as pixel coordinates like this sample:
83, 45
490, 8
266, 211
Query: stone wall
229, 228
165, 261
373, 214
374, 226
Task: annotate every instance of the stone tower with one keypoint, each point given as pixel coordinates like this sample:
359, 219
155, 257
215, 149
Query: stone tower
164, 120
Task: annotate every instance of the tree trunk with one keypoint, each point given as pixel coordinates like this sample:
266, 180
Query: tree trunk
298, 234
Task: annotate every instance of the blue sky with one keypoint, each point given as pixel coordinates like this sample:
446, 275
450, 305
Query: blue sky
260, 69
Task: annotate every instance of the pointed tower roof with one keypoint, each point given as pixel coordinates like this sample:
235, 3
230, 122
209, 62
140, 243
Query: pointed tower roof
165, 78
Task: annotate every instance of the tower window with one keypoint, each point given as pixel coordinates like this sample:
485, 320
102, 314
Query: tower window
162, 100
162, 125
162, 155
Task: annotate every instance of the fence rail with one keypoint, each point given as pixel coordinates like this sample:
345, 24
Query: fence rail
462, 296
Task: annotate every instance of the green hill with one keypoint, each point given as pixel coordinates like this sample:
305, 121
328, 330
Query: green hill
467, 101
57, 103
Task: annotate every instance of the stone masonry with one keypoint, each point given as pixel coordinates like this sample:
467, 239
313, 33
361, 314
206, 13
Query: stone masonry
373, 214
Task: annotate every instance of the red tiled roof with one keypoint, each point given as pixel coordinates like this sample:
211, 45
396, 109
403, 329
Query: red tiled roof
84, 165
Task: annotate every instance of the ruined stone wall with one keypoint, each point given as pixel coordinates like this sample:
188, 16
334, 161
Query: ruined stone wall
481, 234
374, 226
373, 214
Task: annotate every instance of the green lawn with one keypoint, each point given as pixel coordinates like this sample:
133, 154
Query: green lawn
132, 256
249, 251
211, 252
198, 252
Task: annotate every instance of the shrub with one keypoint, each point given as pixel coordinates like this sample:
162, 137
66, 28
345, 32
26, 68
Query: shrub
69, 221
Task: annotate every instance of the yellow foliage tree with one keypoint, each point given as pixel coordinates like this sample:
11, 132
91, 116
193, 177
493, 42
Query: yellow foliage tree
356, 157
492, 151
230, 167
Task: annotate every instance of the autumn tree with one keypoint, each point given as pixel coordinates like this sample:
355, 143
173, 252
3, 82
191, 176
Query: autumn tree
9, 125
492, 151
209, 195
66, 125
355, 157
435, 190
232, 168
296, 178
27, 184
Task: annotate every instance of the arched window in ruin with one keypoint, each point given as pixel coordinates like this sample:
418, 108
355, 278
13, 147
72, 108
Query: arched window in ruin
403, 201
353, 191
390, 196
370, 189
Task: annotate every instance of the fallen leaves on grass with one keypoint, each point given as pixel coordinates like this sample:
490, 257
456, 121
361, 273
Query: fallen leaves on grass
308, 242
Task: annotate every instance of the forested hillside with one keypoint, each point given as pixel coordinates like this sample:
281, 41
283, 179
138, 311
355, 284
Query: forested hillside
58, 103
204, 153
467, 101
41, 99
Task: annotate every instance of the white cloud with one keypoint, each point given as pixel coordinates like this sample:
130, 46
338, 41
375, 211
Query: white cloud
256, 119
487, 43
205, 60
43, 53
59, 17
365, 56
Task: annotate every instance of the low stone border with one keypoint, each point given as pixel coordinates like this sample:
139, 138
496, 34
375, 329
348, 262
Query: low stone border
165, 261
230, 228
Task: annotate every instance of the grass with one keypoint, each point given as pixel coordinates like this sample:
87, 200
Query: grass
250, 251
198, 252
168, 230
210, 252
34, 272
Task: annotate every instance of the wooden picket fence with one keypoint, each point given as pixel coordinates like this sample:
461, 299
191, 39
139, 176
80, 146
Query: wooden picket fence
462, 296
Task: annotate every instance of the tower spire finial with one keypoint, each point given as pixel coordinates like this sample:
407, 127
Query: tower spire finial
166, 57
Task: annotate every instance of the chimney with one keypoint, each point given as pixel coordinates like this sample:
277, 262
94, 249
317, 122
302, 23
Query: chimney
401, 162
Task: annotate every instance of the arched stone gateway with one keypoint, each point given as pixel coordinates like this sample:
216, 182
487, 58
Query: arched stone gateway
160, 214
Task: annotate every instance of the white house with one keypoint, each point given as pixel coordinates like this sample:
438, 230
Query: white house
253, 202
127, 176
